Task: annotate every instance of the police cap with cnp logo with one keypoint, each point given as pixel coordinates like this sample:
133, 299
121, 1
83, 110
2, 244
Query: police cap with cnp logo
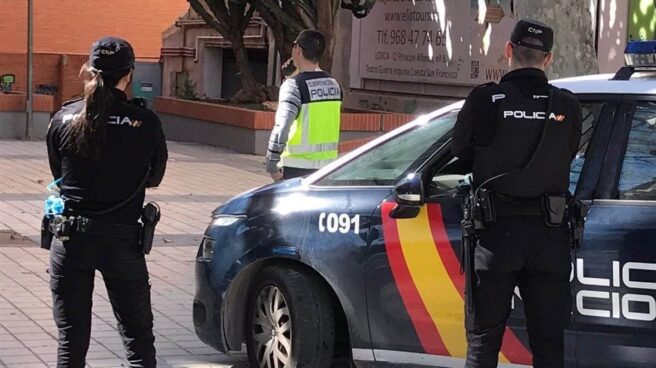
527, 29
112, 55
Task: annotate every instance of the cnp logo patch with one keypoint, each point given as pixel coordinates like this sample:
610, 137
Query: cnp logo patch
534, 30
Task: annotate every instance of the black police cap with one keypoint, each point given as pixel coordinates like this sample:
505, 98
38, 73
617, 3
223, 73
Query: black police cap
112, 55
527, 28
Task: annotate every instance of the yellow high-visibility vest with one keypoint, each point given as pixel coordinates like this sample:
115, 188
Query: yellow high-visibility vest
314, 134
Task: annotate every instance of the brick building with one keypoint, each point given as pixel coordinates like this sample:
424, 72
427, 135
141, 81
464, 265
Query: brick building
198, 62
64, 31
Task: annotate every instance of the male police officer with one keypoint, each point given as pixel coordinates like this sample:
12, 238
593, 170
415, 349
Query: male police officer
522, 135
106, 150
306, 132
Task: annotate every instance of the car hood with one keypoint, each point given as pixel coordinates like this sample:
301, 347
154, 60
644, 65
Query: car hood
259, 199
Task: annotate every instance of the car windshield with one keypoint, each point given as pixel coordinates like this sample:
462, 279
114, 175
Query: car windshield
387, 162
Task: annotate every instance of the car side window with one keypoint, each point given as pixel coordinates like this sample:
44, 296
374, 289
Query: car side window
590, 111
446, 180
638, 177
384, 164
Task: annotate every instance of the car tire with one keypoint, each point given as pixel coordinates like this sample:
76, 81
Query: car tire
290, 321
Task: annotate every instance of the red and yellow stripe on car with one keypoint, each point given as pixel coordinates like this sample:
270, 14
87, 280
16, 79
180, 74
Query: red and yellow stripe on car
426, 271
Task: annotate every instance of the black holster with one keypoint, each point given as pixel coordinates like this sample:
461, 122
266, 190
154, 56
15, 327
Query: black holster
149, 219
478, 211
576, 215
46, 233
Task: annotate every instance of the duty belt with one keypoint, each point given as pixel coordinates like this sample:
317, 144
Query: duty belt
85, 225
513, 206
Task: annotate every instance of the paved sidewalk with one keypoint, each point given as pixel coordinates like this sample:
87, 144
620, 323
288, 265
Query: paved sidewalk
197, 180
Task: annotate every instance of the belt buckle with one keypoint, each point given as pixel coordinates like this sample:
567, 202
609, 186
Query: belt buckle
82, 224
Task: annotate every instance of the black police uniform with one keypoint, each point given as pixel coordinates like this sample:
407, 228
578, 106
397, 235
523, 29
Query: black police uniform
499, 127
134, 150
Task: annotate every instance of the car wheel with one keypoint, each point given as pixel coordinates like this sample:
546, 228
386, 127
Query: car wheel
290, 321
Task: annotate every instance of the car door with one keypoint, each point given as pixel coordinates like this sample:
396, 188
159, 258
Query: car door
346, 198
415, 287
615, 269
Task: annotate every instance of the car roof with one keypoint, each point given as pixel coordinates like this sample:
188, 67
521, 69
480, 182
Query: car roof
639, 84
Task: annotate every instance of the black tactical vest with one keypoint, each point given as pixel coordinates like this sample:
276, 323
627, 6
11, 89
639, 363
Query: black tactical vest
517, 133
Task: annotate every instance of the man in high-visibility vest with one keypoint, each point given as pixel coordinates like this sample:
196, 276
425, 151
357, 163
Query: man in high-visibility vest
306, 132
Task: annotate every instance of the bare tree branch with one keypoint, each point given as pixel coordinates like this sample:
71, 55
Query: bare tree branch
276, 11
247, 18
307, 21
199, 7
308, 8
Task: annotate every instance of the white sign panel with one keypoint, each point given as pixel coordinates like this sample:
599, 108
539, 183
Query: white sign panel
436, 41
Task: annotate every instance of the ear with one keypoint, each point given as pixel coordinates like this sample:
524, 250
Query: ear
548, 60
507, 51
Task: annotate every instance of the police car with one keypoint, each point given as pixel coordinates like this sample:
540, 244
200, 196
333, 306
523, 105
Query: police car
359, 262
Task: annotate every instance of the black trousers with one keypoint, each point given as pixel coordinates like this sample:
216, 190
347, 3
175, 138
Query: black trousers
520, 251
295, 172
122, 264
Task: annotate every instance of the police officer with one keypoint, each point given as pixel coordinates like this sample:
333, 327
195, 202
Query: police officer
522, 135
306, 131
106, 149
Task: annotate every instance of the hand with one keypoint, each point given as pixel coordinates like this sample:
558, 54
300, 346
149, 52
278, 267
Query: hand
288, 63
277, 176
288, 68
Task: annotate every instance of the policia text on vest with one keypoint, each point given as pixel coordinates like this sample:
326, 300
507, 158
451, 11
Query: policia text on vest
306, 133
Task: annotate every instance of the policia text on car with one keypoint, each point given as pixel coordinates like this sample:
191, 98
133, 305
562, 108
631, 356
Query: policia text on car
521, 160
106, 150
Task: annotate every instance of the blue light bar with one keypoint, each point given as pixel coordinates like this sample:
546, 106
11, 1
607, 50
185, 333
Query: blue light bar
640, 54
640, 47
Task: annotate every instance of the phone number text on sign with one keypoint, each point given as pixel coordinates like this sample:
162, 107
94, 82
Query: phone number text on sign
411, 37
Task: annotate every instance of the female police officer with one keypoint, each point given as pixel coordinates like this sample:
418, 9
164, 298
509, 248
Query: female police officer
106, 150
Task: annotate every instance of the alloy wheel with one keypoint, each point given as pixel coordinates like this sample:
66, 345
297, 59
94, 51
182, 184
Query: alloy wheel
272, 329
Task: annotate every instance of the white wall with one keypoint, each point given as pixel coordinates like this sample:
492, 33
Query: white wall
612, 23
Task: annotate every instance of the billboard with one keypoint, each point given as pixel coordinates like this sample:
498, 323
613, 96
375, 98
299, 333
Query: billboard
435, 41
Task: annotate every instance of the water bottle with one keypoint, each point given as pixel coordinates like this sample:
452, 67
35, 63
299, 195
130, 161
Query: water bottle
54, 204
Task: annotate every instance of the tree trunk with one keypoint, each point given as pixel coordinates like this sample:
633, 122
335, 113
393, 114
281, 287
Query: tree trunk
286, 28
251, 90
326, 23
574, 52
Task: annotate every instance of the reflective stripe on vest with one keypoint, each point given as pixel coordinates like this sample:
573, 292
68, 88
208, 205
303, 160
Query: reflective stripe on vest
314, 135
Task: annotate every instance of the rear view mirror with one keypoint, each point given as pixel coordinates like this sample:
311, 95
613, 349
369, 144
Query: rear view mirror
409, 194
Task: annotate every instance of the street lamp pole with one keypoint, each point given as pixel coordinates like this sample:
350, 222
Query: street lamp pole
30, 76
